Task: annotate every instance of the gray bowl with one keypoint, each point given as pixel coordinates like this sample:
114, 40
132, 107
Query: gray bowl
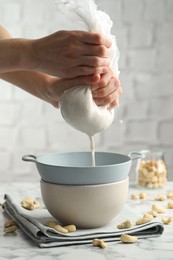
75, 168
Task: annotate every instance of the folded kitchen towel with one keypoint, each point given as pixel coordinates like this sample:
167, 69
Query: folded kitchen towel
32, 223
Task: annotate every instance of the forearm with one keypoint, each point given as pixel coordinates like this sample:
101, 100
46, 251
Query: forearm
15, 54
35, 83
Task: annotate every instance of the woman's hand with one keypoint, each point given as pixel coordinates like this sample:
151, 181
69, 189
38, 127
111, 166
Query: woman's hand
69, 54
107, 90
65, 54
56, 86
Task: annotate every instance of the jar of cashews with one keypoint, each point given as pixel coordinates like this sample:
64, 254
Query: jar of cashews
151, 170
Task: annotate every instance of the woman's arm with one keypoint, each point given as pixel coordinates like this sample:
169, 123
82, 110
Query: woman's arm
39, 84
44, 86
106, 88
12, 52
65, 54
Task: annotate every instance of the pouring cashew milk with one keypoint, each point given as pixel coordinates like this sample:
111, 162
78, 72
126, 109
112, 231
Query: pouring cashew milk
77, 105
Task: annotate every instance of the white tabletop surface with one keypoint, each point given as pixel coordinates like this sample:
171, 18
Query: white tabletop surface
19, 246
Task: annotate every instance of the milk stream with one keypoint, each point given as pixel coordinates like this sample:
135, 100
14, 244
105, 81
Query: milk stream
92, 145
91, 138
92, 148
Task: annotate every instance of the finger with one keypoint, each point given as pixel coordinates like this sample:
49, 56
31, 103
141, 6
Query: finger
109, 98
84, 80
106, 100
92, 61
86, 70
112, 86
105, 79
114, 104
93, 50
94, 38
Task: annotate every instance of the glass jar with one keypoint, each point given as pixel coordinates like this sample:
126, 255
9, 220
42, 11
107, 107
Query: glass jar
151, 170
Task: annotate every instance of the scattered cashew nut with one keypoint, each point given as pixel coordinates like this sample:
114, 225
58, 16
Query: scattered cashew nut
128, 239
11, 229
153, 213
160, 197
170, 195
167, 221
145, 219
98, 242
10, 226
125, 224
56, 226
70, 228
134, 196
9, 223
170, 205
158, 209
30, 204
141, 195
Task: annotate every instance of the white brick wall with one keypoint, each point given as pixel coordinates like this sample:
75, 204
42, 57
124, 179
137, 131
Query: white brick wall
145, 38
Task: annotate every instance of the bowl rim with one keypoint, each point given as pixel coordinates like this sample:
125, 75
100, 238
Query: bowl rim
83, 152
85, 185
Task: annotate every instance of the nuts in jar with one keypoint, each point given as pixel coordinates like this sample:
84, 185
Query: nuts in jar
152, 171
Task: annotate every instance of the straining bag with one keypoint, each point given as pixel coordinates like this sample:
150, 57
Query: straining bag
77, 105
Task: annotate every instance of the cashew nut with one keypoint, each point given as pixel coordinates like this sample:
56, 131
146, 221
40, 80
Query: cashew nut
98, 242
70, 228
158, 209
10, 226
128, 239
11, 229
56, 226
160, 197
125, 224
134, 196
9, 223
30, 204
153, 213
167, 221
170, 195
170, 205
142, 195
145, 219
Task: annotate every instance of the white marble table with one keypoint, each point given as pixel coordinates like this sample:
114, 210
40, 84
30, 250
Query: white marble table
19, 246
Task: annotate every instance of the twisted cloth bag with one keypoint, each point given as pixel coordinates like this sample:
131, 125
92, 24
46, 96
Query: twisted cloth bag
77, 105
